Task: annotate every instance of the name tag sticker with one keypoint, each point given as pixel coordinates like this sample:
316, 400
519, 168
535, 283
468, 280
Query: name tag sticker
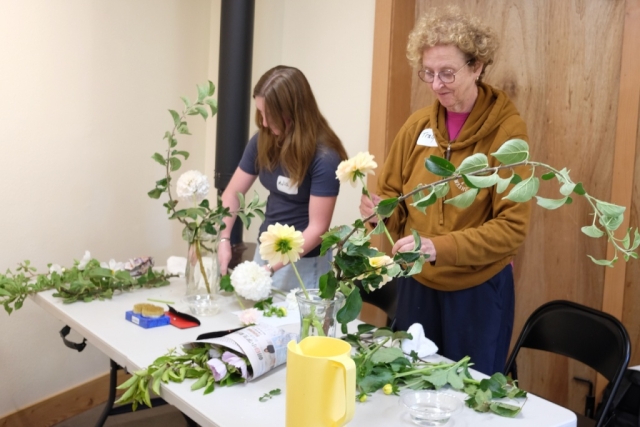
285, 185
427, 138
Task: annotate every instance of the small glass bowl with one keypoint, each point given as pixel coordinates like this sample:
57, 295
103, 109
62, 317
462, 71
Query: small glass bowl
203, 304
430, 407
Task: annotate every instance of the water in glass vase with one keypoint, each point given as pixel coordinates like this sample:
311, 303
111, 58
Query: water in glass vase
318, 315
202, 277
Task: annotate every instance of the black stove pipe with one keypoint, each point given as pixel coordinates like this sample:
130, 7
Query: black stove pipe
234, 92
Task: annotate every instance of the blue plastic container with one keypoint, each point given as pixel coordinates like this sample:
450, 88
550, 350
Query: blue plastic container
147, 322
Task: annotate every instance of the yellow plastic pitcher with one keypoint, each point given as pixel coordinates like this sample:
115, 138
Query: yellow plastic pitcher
321, 383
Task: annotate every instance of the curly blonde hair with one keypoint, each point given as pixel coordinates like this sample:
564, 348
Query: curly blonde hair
450, 26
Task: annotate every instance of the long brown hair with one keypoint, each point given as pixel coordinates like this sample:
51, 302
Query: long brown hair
292, 109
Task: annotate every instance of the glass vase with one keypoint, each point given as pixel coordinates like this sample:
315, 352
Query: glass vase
318, 315
202, 277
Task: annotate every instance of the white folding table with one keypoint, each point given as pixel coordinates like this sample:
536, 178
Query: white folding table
103, 324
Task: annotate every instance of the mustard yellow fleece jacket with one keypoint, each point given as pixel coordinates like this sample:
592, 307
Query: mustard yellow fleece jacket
473, 244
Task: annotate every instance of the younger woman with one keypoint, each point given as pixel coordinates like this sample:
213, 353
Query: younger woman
295, 153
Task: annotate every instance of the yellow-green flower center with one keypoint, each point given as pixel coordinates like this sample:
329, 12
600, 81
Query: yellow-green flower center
283, 246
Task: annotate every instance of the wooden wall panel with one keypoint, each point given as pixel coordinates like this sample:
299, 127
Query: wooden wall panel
628, 167
560, 63
552, 65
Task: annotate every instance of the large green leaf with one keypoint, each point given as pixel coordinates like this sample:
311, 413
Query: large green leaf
422, 203
611, 222
176, 117
551, 203
385, 207
473, 163
351, 309
512, 151
439, 166
463, 200
159, 158
441, 189
386, 355
610, 209
483, 181
503, 183
524, 190
592, 231
213, 104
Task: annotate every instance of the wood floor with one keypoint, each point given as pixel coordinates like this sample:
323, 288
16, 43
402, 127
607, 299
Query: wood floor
161, 416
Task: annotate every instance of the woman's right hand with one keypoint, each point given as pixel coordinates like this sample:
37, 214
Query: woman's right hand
224, 255
368, 205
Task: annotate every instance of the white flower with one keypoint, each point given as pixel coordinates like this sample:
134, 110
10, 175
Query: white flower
55, 268
193, 185
251, 281
281, 244
84, 261
112, 265
250, 316
358, 166
292, 301
237, 361
218, 368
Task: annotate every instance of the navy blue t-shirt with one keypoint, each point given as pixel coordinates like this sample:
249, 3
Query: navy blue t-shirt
287, 204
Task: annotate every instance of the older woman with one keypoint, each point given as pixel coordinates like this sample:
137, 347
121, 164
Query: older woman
464, 297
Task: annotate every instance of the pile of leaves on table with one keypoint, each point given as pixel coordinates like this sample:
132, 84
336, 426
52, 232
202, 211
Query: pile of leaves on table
381, 364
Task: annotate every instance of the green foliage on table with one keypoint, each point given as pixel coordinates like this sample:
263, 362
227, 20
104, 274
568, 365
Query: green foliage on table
381, 364
270, 310
352, 243
73, 284
176, 366
203, 219
268, 396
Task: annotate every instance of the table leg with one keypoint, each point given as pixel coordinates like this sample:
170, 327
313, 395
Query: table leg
122, 409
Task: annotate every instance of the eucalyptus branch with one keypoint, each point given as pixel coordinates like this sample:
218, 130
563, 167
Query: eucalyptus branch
477, 174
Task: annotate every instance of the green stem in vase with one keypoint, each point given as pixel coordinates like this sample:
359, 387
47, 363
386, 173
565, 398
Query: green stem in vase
307, 322
295, 270
239, 300
201, 264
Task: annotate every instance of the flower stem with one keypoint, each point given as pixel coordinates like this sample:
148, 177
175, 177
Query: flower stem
295, 270
239, 301
380, 219
201, 264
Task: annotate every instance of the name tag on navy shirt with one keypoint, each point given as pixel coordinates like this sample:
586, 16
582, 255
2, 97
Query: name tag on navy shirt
285, 185
427, 138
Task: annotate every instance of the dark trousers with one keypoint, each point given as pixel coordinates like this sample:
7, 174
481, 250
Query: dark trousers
475, 322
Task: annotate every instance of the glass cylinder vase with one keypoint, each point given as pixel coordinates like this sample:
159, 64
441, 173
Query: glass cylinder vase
318, 315
202, 276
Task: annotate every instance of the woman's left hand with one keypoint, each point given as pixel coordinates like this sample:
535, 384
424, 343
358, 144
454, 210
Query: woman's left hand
407, 243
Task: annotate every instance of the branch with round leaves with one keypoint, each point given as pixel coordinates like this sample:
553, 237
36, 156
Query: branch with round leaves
477, 174
353, 250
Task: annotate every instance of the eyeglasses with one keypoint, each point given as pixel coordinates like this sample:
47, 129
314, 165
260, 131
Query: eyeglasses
445, 76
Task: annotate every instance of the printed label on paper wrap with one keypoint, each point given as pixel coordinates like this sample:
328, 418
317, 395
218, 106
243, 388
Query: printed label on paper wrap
265, 346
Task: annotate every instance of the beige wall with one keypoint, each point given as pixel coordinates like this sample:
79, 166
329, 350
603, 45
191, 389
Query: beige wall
85, 87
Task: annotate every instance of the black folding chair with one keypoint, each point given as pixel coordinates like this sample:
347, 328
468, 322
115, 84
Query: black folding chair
385, 298
592, 337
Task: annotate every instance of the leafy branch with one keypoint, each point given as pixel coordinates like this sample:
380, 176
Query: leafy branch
75, 284
352, 258
176, 366
381, 364
201, 218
